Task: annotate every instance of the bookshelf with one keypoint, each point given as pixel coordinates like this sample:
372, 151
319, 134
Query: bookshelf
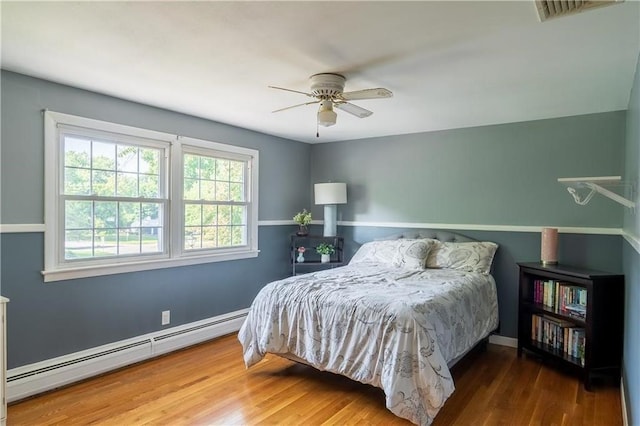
312, 261
573, 316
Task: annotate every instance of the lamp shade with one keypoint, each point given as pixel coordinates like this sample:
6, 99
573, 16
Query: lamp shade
326, 116
330, 193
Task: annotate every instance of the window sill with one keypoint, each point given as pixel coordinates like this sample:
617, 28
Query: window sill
121, 268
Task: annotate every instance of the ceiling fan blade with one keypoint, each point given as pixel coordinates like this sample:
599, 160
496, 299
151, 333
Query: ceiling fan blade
296, 106
367, 94
353, 109
291, 90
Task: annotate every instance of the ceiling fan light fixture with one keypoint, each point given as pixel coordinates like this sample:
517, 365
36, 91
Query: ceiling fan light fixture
326, 115
327, 89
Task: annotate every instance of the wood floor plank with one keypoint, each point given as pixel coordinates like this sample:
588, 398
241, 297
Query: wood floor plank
209, 384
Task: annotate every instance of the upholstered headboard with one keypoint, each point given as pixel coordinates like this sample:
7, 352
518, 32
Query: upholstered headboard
436, 234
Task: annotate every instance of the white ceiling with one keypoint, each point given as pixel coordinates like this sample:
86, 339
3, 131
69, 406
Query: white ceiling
449, 64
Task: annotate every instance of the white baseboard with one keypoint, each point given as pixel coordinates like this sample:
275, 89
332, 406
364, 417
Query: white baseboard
45, 375
496, 339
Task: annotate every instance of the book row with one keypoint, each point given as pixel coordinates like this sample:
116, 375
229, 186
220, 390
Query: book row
560, 335
561, 297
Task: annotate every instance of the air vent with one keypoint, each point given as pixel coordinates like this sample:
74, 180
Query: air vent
548, 9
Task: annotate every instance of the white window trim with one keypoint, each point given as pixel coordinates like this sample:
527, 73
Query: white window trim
56, 271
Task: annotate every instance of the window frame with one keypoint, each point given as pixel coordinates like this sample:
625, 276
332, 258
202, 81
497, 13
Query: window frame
164, 198
187, 145
57, 268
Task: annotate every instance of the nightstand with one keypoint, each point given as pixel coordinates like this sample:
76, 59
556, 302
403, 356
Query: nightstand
312, 261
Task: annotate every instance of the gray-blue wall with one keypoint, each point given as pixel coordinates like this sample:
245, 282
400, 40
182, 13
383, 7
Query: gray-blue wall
631, 262
492, 175
48, 320
503, 175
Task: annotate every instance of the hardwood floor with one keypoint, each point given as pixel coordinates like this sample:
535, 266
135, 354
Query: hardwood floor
208, 384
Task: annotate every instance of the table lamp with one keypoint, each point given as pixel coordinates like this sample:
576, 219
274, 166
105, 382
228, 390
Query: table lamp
330, 195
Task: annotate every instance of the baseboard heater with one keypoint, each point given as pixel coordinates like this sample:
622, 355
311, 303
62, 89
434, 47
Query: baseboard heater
39, 377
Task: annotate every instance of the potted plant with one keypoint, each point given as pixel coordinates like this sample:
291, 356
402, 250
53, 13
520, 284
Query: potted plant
325, 251
303, 219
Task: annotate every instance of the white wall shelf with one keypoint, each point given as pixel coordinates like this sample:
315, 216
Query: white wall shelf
597, 185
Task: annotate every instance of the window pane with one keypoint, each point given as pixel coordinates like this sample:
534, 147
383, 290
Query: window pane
78, 244
209, 215
224, 215
237, 192
106, 243
192, 237
208, 190
129, 241
151, 240
127, 158
207, 168
191, 189
209, 237
149, 186
105, 214
129, 215
77, 152
224, 236
238, 215
77, 181
192, 215
238, 234
222, 169
237, 171
77, 214
222, 191
191, 166
104, 183
104, 156
127, 237
127, 185
149, 161
150, 214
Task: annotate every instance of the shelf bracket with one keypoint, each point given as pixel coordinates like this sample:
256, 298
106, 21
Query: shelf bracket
596, 186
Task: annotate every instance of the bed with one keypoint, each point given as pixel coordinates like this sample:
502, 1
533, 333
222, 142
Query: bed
397, 317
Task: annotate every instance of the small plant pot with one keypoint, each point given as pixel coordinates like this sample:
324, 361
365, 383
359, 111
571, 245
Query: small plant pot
325, 258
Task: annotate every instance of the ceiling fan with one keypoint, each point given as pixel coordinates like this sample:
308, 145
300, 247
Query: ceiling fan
327, 89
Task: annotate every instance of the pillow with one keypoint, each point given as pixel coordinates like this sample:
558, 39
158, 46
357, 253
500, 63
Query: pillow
402, 253
470, 257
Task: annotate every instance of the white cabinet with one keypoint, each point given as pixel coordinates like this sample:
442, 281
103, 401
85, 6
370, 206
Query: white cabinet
3, 361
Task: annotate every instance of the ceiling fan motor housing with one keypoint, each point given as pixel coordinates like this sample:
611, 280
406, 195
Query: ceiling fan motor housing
327, 86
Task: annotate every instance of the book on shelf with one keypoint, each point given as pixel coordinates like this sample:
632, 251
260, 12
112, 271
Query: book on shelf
558, 296
576, 310
560, 335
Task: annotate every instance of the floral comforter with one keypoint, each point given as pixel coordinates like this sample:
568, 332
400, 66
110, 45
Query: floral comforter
389, 327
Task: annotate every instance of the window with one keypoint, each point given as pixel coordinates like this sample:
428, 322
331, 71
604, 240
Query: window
113, 198
123, 199
215, 206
